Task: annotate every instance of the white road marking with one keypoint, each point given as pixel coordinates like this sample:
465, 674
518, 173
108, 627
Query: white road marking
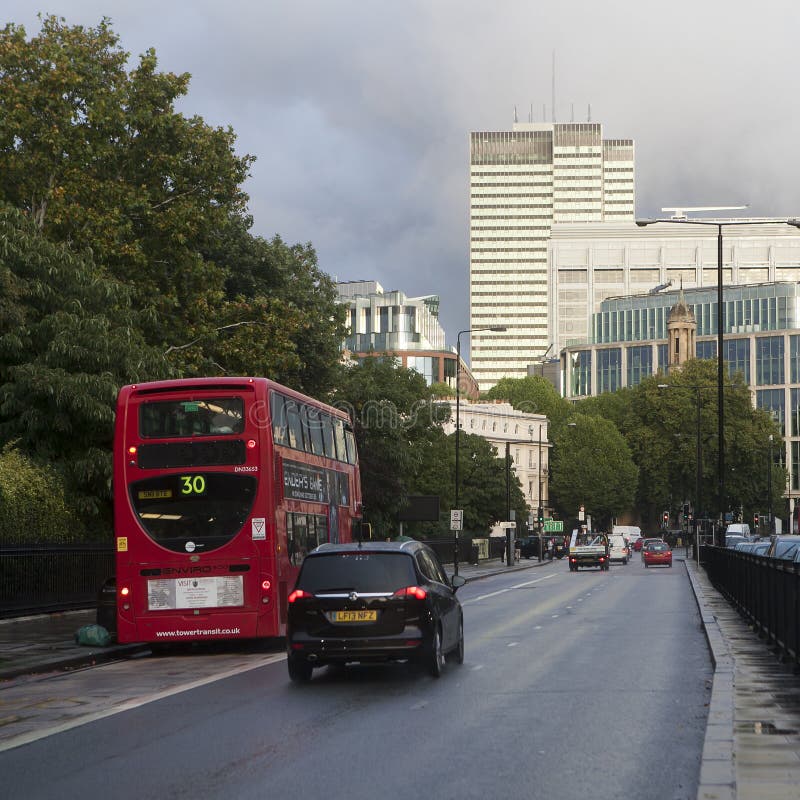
33, 736
477, 667
503, 591
512, 644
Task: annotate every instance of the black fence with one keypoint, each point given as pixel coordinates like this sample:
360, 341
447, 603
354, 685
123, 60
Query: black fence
44, 578
765, 590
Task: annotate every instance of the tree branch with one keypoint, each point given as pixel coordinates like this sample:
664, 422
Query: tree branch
173, 347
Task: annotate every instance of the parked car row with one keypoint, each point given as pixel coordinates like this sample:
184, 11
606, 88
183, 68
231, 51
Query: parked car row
784, 547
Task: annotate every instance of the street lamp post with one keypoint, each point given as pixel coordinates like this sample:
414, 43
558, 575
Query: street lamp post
720, 334
769, 489
495, 329
698, 481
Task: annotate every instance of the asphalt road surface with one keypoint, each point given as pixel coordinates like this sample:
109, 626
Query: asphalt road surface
575, 685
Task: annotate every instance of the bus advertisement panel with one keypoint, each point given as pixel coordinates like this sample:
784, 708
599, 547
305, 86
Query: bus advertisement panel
221, 485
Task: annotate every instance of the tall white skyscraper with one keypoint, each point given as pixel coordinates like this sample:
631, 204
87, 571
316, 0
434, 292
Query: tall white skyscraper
521, 182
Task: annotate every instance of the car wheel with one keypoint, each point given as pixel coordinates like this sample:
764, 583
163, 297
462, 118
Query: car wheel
435, 655
456, 655
299, 669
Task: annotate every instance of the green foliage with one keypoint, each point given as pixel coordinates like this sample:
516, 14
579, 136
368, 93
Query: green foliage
659, 420
68, 340
592, 466
395, 426
98, 157
533, 395
33, 508
440, 389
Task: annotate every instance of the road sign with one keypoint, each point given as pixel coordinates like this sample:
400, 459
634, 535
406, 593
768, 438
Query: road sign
554, 526
505, 526
456, 519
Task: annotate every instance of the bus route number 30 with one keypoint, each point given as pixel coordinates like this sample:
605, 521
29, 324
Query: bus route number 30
192, 484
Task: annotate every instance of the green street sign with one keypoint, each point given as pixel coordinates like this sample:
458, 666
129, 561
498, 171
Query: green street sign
553, 526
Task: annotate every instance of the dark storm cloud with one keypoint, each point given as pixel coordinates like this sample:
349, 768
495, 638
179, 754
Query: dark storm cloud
359, 113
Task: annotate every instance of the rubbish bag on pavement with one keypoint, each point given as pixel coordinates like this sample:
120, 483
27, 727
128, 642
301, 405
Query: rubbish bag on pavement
93, 636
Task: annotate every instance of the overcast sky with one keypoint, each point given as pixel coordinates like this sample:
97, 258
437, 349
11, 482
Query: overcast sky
359, 111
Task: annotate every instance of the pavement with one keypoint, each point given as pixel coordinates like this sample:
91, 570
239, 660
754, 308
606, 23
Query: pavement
752, 742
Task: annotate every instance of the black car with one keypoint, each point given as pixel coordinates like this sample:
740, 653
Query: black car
374, 601
528, 546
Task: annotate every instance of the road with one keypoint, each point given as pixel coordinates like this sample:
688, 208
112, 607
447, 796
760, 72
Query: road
586, 685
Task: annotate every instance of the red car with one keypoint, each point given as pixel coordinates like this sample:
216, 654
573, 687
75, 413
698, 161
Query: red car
657, 553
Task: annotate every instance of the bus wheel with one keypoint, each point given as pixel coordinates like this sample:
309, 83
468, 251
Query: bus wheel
299, 669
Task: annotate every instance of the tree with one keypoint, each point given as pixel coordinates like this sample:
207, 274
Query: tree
68, 339
98, 157
592, 466
662, 432
395, 427
534, 395
287, 282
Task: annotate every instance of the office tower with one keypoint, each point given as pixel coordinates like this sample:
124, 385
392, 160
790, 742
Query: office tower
521, 182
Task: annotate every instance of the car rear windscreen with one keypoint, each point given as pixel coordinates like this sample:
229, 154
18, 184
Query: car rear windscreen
361, 572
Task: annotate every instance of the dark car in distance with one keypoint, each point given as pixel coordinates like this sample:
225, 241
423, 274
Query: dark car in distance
373, 601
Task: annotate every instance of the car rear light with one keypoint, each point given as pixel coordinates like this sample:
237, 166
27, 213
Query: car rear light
299, 594
416, 592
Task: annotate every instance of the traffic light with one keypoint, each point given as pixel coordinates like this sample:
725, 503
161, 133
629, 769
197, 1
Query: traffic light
665, 518
540, 515
755, 520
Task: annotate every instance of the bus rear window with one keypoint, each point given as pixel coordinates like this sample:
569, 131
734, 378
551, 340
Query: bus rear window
184, 418
196, 511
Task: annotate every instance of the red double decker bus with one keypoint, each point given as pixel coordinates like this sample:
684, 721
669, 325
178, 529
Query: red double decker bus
221, 485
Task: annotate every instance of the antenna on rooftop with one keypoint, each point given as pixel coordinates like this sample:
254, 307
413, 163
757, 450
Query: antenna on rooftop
554, 86
590, 113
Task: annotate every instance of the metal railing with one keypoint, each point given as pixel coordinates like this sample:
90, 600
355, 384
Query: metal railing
765, 590
45, 578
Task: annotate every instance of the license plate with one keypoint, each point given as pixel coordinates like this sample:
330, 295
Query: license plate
354, 616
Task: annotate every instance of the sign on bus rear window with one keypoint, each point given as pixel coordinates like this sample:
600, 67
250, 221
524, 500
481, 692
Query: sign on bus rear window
182, 418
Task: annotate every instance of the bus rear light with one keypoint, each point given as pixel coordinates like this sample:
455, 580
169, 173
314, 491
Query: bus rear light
266, 585
265, 599
299, 594
132, 450
251, 443
124, 591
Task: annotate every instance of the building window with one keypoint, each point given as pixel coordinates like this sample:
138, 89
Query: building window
772, 401
795, 426
663, 358
769, 360
794, 358
581, 373
795, 466
609, 370
707, 350
737, 354
640, 364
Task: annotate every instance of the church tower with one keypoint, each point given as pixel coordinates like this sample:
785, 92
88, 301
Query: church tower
681, 329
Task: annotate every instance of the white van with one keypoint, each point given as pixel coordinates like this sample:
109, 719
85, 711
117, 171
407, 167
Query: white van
630, 532
738, 529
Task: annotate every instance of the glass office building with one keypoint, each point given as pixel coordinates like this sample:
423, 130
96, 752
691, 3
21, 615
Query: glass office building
761, 340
